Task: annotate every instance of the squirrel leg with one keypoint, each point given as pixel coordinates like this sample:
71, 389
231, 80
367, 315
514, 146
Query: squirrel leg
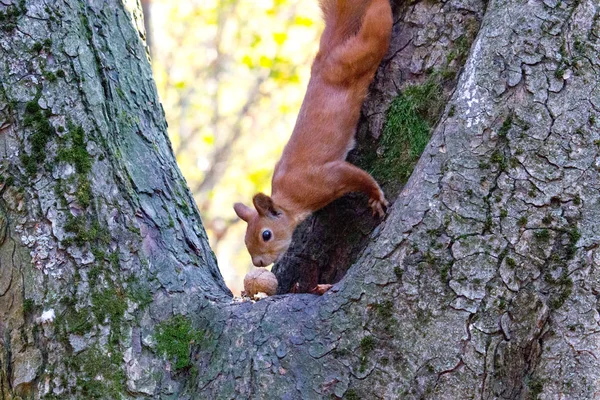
346, 178
364, 51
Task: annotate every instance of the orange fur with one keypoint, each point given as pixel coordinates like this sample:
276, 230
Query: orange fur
312, 172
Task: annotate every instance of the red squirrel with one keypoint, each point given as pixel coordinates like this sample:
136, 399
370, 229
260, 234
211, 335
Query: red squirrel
312, 171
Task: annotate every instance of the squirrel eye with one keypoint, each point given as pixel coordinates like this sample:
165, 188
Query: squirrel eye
266, 235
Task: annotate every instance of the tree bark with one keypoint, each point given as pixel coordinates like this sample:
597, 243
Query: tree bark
481, 282
98, 226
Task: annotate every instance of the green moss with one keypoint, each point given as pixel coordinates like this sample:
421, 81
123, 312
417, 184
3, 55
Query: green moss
367, 344
385, 309
506, 125
488, 223
511, 262
514, 162
558, 301
574, 237
113, 258
50, 76
430, 258
452, 111
78, 322
10, 16
43, 131
498, 159
351, 395
398, 272
99, 374
110, 304
37, 47
460, 50
32, 107
542, 235
522, 221
501, 303
444, 272
139, 294
185, 209
28, 305
82, 234
60, 73
95, 271
536, 386
83, 192
564, 285
77, 153
174, 338
407, 130
503, 213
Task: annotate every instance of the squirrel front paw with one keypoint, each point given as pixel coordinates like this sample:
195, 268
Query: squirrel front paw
378, 204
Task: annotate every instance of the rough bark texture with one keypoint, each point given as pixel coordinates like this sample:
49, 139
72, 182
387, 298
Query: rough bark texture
96, 222
482, 282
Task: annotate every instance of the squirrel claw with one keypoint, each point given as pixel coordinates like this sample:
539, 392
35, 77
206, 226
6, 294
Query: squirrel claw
378, 206
321, 289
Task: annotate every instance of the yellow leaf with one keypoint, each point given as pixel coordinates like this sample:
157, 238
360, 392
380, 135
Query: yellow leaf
280, 37
303, 21
208, 139
265, 62
259, 177
247, 61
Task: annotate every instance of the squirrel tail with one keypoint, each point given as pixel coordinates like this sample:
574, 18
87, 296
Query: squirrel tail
342, 20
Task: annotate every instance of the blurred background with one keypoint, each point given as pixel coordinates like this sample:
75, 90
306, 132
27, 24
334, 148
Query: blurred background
231, 75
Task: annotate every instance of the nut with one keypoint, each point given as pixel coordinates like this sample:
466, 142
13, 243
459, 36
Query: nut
260, 280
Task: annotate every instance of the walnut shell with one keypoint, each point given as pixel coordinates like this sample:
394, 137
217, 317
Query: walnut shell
260, 280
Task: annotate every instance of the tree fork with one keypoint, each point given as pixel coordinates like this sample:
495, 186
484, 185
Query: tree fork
481, 282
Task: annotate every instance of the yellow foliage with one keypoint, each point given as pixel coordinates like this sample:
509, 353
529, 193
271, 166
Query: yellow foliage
231, 75
280, 37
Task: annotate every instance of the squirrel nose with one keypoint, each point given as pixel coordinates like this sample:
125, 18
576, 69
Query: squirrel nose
258, 262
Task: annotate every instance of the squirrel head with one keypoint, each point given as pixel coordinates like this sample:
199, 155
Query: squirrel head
269, 230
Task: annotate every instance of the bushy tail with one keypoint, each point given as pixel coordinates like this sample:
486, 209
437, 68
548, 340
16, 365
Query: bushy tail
342, 20
355, 40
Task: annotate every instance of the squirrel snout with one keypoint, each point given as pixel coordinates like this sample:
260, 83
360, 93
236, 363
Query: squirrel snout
258, 262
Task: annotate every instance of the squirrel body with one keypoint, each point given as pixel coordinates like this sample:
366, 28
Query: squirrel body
312, 171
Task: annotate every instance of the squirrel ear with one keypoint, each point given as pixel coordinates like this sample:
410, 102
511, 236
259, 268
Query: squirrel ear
265, 206
243, 211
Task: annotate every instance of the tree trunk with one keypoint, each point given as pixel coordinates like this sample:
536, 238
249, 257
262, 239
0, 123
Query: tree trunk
97, 225
481, 282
